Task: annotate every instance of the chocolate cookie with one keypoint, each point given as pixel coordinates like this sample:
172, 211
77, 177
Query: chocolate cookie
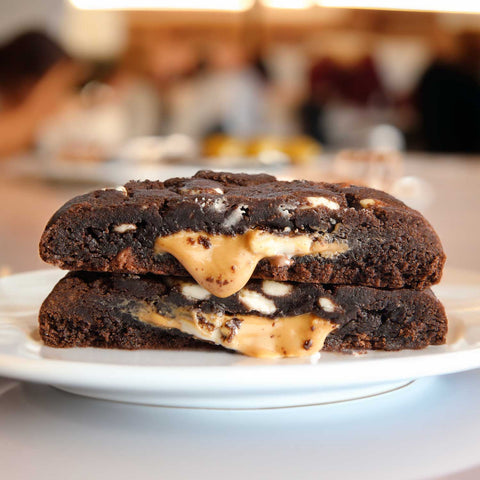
224, 228
264, 319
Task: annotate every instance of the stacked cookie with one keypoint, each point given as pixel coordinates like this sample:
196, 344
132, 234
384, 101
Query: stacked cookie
243, 262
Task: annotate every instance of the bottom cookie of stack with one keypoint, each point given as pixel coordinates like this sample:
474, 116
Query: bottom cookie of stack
264, 319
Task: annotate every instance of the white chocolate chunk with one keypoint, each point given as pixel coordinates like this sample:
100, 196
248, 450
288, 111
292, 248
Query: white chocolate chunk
122, 189
323, 202
276, 289
326, 304
125, 227
194, 291
219, 204
286, 210
200, 191
256, 301
367, 202
269, 245
235, 216
191, 191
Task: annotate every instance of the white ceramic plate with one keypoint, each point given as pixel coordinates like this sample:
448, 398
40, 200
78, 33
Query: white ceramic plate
225, 380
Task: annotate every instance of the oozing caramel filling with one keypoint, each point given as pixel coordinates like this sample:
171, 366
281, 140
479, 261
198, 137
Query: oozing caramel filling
256, 336
223, 264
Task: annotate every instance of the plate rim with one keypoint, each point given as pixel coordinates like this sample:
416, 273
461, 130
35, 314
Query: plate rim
268, 376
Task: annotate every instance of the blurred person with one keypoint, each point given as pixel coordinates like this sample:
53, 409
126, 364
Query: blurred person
287, 66
226, 96
357, 85
139, 100
448, 98
173, 67
36, 78
112, 107
168, 59
343, 85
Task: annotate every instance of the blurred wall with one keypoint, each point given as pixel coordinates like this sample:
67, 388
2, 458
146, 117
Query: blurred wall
18, 15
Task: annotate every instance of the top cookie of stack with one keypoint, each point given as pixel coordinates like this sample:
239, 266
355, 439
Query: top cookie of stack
224, 228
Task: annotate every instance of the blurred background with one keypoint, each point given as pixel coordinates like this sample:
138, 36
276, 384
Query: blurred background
378, 92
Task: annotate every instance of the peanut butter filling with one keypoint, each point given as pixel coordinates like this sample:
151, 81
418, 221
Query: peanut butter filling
223, 264
252, 335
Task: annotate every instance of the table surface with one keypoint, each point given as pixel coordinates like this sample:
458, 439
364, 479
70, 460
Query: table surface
424, 431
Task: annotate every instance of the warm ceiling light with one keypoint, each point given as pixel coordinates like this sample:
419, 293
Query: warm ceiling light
451, 6
226, 5
292, 4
